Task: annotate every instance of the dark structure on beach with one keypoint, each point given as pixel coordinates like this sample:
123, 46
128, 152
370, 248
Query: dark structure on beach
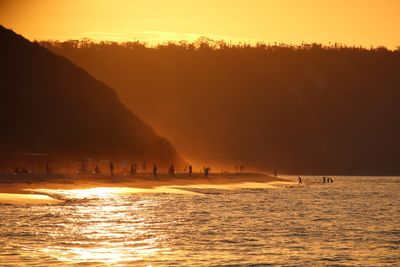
36, 163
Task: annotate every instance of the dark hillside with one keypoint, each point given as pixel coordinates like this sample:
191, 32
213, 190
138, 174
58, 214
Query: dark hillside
49, 105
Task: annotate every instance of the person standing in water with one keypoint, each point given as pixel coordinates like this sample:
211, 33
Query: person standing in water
155, 170
111, 168
299, 179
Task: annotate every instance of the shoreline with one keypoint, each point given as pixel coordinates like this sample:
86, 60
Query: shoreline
13, 189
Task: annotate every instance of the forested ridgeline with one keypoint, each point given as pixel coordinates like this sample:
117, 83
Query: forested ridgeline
293, 108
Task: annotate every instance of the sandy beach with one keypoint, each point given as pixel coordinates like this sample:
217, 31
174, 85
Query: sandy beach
22, 189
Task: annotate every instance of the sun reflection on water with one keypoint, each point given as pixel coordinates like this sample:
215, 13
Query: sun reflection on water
117, 225
108, 192
106, 228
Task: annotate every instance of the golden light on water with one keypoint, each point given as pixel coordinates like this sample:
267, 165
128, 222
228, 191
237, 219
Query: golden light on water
106, 255
112, 233
101, 230
109, 192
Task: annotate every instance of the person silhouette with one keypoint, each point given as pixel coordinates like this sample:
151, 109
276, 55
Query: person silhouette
190, 170
171, 170
144, 167
97, 169
111, 168
206, 171
133, 169
299, 180
155, 170
324, 179
48, 168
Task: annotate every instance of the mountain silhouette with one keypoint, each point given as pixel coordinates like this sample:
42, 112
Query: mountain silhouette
49, 105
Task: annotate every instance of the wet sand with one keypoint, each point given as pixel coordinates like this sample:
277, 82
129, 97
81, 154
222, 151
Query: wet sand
13, 189
9, 198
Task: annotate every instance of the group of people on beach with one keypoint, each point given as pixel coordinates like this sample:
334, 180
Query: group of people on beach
84, 168
134, 169
239, 168
324, 180
327, 179
18, 171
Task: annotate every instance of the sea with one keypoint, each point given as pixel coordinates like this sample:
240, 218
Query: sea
354, 221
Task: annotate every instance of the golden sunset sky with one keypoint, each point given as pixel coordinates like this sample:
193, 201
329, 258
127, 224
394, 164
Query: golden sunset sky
351, 22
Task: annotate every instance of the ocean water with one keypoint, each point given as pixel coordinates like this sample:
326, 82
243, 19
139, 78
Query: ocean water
354, 221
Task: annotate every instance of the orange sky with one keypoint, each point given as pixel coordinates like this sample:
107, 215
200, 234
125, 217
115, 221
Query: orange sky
352, 22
